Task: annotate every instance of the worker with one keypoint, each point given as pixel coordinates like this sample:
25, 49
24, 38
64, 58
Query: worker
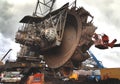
36, 78
102, 41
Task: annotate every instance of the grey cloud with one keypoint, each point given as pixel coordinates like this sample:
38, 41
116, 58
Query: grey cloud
4, 9
5, 18
109, 9
10, 15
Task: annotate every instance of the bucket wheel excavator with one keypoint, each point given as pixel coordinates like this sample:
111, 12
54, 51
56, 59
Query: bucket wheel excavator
62, 36
59, 38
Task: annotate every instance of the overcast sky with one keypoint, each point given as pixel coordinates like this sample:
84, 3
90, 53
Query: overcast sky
106, 17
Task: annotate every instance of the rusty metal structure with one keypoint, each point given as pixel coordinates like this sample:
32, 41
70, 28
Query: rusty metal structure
62, 36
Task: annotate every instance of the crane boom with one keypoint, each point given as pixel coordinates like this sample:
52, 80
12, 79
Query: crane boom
95, 59
5, 54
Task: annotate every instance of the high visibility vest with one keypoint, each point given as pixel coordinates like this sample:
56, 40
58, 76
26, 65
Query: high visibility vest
38, 78
74, 76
